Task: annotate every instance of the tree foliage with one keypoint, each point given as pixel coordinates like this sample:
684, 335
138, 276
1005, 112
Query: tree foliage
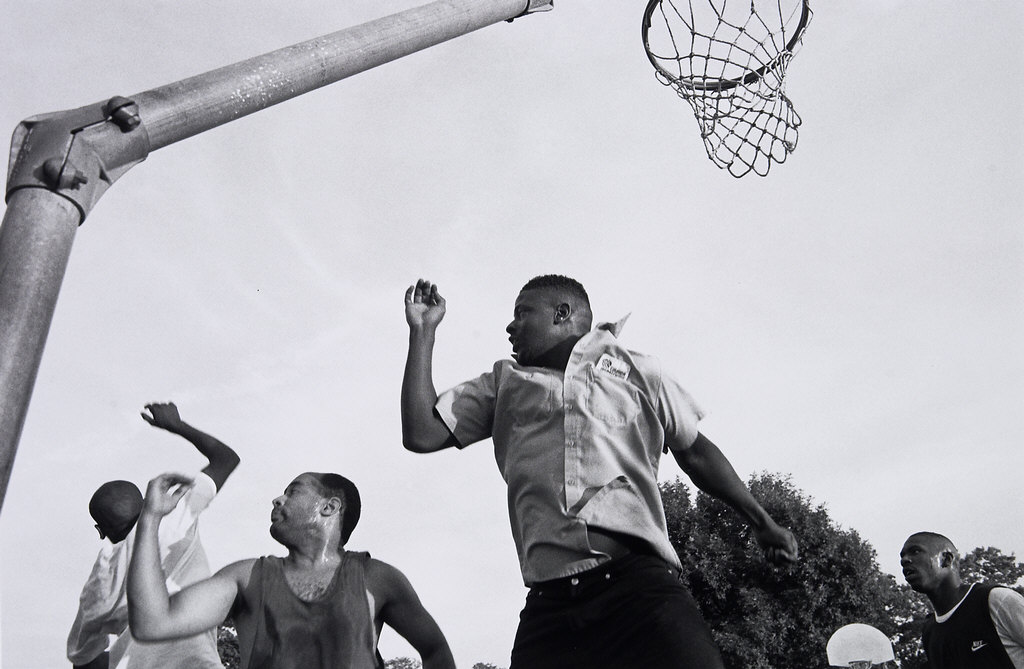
990, 565
227, 645
910, 619
402, 663
765, 617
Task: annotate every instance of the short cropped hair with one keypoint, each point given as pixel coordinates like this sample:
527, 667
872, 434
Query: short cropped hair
935, 536
336, 485
943, 541
559, 282
115, 504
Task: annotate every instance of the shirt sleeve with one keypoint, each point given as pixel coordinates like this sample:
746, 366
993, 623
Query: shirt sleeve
102, 607
468, 408
86, 640
202, 493
679, 413
177, 523
1006, 606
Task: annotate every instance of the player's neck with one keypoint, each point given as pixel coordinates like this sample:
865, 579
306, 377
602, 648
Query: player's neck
949, 595
558, 357
314, 554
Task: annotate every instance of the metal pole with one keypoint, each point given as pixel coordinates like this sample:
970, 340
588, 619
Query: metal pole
35, 241
43, 212
191, 106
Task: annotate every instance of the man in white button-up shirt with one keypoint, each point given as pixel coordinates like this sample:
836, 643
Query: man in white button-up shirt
579, 423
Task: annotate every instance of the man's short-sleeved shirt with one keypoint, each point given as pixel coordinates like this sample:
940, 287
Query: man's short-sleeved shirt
577, 449
103, 606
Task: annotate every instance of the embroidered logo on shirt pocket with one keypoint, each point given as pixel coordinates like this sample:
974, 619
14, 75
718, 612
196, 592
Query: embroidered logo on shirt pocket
609, 365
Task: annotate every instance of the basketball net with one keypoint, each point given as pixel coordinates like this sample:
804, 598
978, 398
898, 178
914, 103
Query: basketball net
728, 59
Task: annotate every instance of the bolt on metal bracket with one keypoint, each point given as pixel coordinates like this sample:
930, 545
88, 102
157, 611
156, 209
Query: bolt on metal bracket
535, 6
78, 153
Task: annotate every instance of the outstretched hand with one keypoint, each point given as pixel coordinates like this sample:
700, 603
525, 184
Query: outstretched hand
779, 544
163, 415
424, 306
164, 492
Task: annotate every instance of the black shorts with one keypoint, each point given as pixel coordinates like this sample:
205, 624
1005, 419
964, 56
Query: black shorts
630, 612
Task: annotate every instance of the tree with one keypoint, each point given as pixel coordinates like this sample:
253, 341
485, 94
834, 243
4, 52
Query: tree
910, 619
990, 565
227, 644
402, 663
765, 617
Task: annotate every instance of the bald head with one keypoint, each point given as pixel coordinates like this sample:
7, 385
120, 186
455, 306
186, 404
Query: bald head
115, 506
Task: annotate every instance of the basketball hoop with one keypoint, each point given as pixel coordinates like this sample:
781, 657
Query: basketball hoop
728, 59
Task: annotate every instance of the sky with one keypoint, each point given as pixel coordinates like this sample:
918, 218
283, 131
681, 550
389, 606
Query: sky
853, 320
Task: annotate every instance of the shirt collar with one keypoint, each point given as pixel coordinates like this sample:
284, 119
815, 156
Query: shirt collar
613, 328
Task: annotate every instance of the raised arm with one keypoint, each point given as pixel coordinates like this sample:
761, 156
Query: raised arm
710, 471
152, 614
222, 459
423, 431
401, 610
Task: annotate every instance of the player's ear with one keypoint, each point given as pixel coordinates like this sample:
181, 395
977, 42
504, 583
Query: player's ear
331, 506
562, 312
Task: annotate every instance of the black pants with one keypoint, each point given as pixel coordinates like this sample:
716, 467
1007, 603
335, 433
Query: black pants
629, 612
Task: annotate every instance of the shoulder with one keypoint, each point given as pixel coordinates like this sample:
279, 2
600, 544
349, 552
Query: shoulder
1006, 609
203, 485
484, 382
602, 342
1005, 597
488, 382
384, 580
645, 363
242, 566
378, 569
201, 493
501, 369
240, 571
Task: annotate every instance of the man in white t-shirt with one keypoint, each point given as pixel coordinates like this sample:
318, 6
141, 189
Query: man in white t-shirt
103, 606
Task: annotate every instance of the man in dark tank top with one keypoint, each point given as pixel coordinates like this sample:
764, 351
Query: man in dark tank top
975, 625
320, 607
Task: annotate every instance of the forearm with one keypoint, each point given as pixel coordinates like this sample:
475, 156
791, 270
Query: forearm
422, 429
148, 601
217, 452
712, 472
